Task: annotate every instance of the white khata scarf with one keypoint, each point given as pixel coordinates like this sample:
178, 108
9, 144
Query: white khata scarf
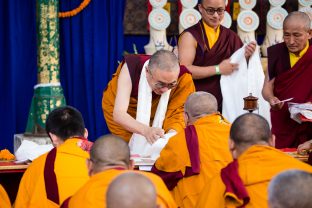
138, 144
245, 80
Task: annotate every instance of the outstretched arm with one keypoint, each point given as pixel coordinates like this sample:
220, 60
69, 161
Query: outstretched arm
187, 51
268, 95
120, 114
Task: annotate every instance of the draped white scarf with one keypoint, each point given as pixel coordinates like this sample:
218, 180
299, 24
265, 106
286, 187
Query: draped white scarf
138, 143
245, 80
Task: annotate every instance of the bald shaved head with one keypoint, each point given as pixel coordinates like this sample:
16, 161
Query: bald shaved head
164, 60
131, 190
250, 129
298, 17
199, 104
109, 150
290, 189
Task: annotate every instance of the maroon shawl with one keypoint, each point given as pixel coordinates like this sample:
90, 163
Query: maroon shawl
234, 186
171, 179
135, 64
294, 83
227, 43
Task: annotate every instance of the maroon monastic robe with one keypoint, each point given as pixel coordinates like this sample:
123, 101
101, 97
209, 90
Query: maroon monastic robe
227, 43
295, 82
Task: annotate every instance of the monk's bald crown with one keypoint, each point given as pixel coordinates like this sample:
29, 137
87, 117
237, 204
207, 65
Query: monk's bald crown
131, 190
164, 60
110, 150
200, 103
250, 128
298, 17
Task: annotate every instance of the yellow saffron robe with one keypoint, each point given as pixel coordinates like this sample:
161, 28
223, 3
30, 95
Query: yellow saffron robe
4, 199
93, 193
174, 116
71, 173
214, 154
256, 167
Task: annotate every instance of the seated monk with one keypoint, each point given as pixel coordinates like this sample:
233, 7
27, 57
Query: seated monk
4, 199
196, 154
143, 193
291, 189
289, 76
244, 182
110, 157
58, 174
141, 85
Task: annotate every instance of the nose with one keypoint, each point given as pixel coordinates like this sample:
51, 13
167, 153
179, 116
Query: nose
291, 39
163, 90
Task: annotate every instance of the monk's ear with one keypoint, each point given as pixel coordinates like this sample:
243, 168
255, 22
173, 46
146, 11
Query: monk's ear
272, 140
86, 133
131, 165
54, 139
232, 148
90, 167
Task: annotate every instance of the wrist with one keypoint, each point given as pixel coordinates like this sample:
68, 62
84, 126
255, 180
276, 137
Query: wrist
217, 68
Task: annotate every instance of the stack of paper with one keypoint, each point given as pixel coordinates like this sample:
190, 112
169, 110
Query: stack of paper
300, 112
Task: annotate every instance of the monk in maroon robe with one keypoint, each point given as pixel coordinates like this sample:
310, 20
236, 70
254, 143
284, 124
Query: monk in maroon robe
206, 47
289, 76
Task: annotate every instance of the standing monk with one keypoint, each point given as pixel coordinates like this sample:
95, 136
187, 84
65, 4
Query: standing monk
244, 182
206, 47
4, 198
289, 76
150, 78
58, 174
196, 154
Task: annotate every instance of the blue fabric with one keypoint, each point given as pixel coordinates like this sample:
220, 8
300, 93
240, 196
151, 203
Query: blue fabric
91, 43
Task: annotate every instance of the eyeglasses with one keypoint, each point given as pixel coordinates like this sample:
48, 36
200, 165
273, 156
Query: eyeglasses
211, 11
160, 85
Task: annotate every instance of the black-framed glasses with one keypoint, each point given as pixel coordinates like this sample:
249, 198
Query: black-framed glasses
160, 85
211, 11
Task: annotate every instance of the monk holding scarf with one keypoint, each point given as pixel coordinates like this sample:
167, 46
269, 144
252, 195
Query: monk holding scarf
206, 47
289, 76
244, 182
109, 158
58, 174
145, 98
196, 154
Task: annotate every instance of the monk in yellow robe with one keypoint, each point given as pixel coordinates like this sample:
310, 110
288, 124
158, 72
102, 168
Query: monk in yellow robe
143, 193
205, 48
196, 154
58, 174
120, 98
244, 182
110, 157
4, 199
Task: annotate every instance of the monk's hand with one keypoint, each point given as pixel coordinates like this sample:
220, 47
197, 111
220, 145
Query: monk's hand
250, 49
275, 103
226, 67
152, 134
304, 147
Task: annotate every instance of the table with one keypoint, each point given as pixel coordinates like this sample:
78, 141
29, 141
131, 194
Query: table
10, 176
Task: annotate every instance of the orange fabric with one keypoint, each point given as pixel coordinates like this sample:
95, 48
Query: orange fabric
213, 134
71, 173
257, 166
4, 199
93, 193
174, 116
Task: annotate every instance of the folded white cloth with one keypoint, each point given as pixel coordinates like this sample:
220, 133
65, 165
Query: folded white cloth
138, 143
30, 150
245, 80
